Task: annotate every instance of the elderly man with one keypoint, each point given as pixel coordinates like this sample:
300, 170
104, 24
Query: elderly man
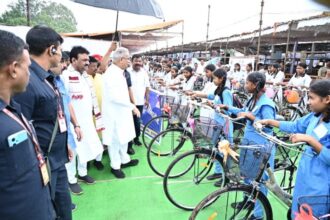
117, 113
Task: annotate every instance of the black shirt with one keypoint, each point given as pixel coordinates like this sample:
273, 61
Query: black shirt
22, 194
40, 104
128, 78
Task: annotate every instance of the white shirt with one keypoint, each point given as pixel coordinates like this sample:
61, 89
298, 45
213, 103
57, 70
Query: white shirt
300, 81
188, 85
238, 76
278, 78
116, 107
209, 88
140, 82
200, 69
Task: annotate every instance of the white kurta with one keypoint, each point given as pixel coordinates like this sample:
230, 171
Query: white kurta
116, 107
140, 83
90, 145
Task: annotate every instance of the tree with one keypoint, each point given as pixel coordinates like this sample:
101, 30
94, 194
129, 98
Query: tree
52, 14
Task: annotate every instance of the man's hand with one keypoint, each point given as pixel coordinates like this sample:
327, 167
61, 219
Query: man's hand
113, 46
146, 103
70, 153
136, 112
78, 132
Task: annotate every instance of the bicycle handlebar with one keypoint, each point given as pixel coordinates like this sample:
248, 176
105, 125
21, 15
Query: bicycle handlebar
259, 128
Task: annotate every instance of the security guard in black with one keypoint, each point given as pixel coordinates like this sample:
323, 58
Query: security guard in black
23, 193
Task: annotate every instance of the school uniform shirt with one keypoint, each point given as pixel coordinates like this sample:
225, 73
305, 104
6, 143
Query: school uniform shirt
209, 88
264, 109
300, 81
140, 83
22, 193
313, 175
39, 103
188, 85
239, 76
227, 100
277, 78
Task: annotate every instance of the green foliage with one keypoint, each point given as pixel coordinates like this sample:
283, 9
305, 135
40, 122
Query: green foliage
52, 14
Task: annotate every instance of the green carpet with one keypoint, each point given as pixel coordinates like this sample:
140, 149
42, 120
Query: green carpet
139, 196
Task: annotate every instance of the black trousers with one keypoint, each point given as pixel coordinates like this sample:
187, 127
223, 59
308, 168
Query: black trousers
137, 122
61, 194
137, 125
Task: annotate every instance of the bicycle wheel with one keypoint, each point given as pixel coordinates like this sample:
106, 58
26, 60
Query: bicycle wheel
165, 147
185, 183
290, 113
148, 130
233, 202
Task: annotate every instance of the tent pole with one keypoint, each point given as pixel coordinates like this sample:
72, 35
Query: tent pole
117, 20
208, 26
182, 40
260, 26
287, 43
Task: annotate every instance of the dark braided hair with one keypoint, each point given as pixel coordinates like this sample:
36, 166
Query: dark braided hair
220, 73
259, 80
322, 89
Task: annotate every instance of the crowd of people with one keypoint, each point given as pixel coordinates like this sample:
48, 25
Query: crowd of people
61, 110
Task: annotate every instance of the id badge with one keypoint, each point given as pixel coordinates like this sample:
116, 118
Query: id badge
44, 174
62, 124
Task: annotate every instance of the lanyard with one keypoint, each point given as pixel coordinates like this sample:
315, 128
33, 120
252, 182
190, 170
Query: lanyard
60, 111
25, 124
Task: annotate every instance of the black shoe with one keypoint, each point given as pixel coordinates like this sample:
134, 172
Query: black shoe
239, 205
130, 151
132, 163
98, 165
137, 142
118, 173
73, 207
75, 189
214, 176
219, 183
87, 179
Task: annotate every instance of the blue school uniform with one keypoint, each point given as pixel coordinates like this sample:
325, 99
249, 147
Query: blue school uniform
264, 109
227, 100
313, 175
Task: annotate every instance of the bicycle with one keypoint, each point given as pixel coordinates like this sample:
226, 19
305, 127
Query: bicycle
237, 200
173, 141
295, 110
185, 182
170, 117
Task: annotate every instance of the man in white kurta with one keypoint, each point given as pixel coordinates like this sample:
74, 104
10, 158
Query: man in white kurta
75, 80
117, 113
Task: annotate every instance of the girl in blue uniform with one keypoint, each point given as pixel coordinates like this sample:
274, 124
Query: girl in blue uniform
221, 95
258, 107
313, 175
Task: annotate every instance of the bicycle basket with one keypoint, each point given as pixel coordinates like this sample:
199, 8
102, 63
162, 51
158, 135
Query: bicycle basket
179, 112
253, 159
319, 206
166, 100
205, 131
